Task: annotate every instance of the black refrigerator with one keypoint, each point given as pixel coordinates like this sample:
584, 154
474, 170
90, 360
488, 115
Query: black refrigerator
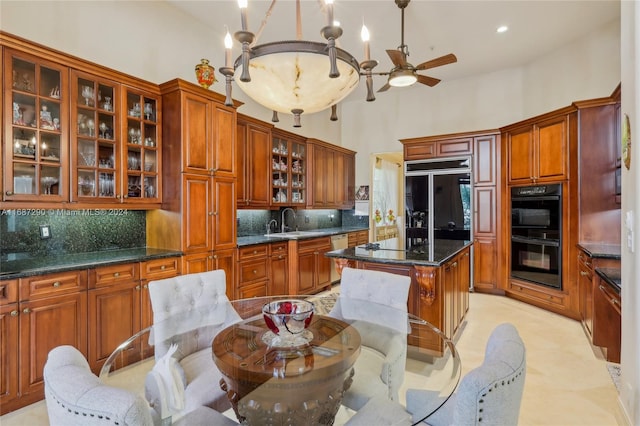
437, 200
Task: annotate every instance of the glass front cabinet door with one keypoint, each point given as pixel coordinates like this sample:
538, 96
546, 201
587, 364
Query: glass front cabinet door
95, 144
36, 129
141, 158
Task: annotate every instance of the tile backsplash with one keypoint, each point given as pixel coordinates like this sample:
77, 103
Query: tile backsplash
71, 231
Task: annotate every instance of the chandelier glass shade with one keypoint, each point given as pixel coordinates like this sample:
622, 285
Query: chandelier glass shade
294, 75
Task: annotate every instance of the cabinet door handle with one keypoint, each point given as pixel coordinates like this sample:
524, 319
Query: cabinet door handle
583, 273
138, 287
163, 267
26, 310
14, 313
146, 286
9, 192
255, 271
116, 274
215, 256
56, 284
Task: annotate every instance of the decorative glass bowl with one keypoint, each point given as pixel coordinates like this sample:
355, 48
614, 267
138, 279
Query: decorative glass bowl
288, 319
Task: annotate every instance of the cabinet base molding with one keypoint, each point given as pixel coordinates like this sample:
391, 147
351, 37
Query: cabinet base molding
550, 300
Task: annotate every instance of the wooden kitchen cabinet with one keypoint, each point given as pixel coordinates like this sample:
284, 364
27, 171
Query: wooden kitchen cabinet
437, 146
253, 271
36, 148
199, 169
288, 165
331, 175
253, 188
309, 268
607, 320
279, 269
585, 288
211, 260
81, 134
358, 238
50, 311
538, 150
115, 311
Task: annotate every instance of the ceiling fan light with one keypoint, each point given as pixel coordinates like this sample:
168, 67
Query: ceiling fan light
402, 78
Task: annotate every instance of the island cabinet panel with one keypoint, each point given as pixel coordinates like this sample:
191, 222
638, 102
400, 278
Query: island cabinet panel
439, 293
607, 320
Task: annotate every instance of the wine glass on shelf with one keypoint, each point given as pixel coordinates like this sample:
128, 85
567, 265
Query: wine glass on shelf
103, 130
91, 125
48, 182
87, 94
132, 135
107, 103
148, 111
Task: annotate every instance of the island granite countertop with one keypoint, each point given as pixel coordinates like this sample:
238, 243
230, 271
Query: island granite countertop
73, 261
393, 251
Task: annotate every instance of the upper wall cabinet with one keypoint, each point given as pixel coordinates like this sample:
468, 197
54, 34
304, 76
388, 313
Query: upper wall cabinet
288, 169
538, 150
36, 130
331, 175
253, 187
78, 134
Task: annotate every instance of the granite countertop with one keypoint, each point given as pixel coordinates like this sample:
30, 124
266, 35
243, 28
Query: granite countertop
393, 251
317, 233
602, 251
67, 262
611, 276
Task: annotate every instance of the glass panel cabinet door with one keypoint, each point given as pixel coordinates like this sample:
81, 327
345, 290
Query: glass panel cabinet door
280, 171
95, 139
141, 159
298, 173
36, 129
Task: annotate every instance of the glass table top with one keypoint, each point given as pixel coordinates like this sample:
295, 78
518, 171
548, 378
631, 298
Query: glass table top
261, 374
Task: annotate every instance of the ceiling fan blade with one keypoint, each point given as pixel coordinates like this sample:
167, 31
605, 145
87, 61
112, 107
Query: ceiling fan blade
429, 81
438, 62
397, 57
384, 88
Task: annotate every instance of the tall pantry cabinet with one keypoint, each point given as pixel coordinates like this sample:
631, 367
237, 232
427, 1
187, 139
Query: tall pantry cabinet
198, 215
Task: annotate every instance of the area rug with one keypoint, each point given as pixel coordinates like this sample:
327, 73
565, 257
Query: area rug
614, 372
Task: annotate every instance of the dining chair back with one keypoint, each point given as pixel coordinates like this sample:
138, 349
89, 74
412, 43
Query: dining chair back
374, 299
490, 394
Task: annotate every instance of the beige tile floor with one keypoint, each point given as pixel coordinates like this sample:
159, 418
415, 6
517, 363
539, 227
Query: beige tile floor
566, 384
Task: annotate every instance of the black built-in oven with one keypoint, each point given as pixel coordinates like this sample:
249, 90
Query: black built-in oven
536, 234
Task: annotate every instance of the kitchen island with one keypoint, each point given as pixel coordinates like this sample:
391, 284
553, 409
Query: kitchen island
439, 272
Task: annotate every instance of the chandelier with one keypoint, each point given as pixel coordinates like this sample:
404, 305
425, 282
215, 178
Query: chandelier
296, 76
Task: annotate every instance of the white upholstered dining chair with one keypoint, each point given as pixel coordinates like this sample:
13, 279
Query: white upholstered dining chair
201, 296
490, 394
76, 397
375, 298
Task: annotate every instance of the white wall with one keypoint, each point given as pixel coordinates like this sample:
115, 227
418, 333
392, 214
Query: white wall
587, 68
630, 357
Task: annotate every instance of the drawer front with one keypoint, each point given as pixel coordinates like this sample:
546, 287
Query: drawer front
8, 291
254, 290
52, 284
279, 249
114, 274
253, 251
160, 268
253, 271
323, 243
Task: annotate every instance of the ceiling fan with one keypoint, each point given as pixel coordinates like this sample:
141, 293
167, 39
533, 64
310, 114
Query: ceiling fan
403, 73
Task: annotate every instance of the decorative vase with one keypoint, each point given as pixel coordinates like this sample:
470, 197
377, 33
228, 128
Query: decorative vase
205, 73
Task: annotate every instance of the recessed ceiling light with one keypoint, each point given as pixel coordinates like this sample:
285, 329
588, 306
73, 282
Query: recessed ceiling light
502, 29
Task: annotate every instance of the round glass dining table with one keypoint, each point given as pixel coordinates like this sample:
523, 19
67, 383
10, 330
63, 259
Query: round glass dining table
305, 380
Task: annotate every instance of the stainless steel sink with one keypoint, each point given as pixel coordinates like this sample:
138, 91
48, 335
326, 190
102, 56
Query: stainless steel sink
295, 234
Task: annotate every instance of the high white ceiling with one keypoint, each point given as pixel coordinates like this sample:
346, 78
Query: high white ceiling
432, 28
